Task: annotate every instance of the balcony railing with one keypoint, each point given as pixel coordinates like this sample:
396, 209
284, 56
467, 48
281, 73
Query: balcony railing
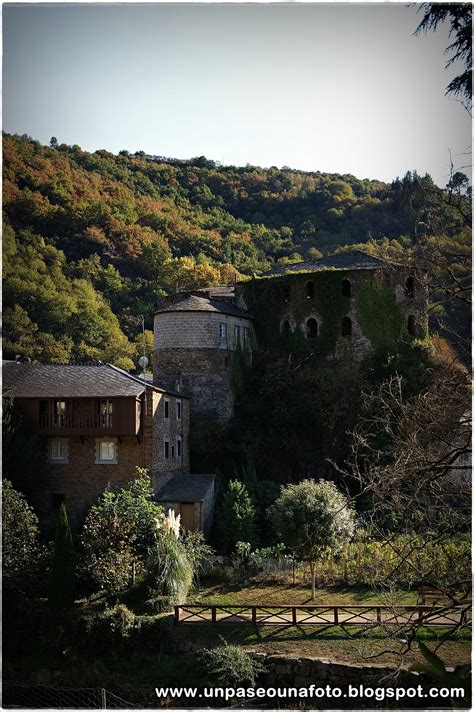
75, 421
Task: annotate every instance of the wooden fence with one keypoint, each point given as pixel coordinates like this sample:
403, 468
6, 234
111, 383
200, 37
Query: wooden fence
323, 615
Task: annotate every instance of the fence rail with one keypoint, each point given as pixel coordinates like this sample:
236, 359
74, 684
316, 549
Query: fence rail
447, 616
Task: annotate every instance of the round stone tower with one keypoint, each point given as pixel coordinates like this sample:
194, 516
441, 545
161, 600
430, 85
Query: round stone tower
195, 338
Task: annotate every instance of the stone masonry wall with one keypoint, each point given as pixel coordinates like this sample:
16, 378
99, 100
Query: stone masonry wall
169, 429
81, 480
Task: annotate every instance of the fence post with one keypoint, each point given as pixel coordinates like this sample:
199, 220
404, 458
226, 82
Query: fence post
176, 615
254, 614
294, 617
103, 698
336, 616
213, 614
379, 615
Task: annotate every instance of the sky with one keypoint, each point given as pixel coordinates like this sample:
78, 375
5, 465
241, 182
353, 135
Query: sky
339, 88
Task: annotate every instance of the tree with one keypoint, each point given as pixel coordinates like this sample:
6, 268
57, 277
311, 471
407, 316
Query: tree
21, 551
236, 517
459, 15
411, 459
314, 519
61, 588
118, 532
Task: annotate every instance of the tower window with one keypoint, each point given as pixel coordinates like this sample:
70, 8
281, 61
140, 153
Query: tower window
237, 335
346, 326
285, 327
411, 325
167, 409
410, 287
310, 290
346, 288
178, 447
311, 328
178, 410
167, 449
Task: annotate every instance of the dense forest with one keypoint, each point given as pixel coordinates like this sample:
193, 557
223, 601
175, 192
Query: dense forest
92, 239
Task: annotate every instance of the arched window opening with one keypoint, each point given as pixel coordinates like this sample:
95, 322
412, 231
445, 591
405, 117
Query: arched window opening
411, 325
346, 326
310, 290
285, 327
346, 288
311, 328
410, 287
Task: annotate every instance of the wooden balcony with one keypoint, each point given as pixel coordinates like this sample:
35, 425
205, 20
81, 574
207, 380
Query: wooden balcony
81, 416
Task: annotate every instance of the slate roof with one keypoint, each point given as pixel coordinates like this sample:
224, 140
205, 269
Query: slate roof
345, 260
36, 380
218, 292
185, 488
195, 303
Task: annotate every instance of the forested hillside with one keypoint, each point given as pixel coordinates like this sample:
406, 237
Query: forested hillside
92, 239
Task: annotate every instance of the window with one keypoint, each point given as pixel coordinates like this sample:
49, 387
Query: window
178, 447
167, 449
106, 451
247, 338
44, 413
60, 414
311, 328
167, 409
310, 290
411, 325
346, 288
58, 451
56, 501
178, 410
223, 334
410, 287
172, 451
346, 326
105, 413
285, 327
237, 335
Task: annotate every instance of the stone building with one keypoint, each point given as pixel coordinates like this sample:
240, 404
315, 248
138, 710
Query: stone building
99, 423
196, 335
343, 307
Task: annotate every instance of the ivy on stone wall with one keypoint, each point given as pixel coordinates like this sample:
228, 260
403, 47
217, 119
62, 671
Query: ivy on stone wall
271, 298
380, 317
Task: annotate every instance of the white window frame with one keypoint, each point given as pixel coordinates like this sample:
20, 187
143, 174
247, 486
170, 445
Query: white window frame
179, 409
99, 460
223, 334
59, 456
166, 402
179, 447
166, 441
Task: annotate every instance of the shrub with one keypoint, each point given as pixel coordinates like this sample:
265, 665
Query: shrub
61, 587
229, 666
197, 550
118, 532
235, 521
170, 568
22, 553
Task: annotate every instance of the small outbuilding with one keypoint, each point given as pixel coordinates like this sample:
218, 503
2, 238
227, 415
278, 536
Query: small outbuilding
191, 496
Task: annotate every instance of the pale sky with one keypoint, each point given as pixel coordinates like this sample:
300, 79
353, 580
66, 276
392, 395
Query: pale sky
340, 88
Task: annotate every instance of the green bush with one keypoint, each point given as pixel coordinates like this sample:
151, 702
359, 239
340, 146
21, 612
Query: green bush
235, 520
61, 588
117, 534
229, 666
22, 555
171, 571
